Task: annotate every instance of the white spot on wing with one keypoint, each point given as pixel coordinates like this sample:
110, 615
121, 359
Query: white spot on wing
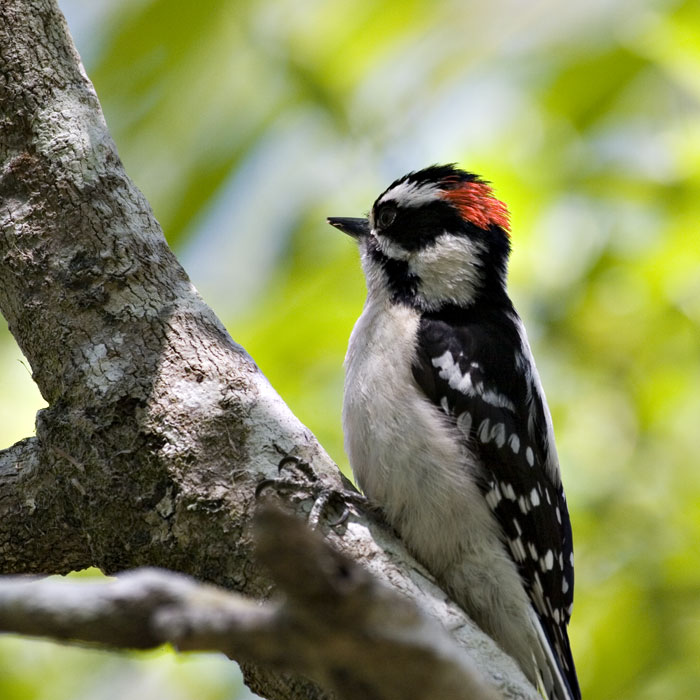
484, 433
530, 456
507, 490
549, 560
452, 374
498, 434
494, 398
517, 549
465, 384
538, 595
464, 423
493, 497
514, 442
534, 497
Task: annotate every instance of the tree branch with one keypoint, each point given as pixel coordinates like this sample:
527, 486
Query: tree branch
159, 426
341, 627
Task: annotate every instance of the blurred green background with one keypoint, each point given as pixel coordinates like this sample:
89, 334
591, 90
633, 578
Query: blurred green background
247, 123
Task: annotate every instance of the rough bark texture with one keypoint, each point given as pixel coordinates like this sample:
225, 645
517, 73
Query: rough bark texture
158, 426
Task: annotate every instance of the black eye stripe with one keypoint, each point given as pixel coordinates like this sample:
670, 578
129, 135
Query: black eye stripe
413, 228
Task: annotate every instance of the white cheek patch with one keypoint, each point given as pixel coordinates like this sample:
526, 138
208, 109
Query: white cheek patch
449, 270
411, 194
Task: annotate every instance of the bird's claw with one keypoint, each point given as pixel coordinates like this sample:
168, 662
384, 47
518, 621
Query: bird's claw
323, 496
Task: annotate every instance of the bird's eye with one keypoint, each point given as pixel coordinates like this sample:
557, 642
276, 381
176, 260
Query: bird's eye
386, 217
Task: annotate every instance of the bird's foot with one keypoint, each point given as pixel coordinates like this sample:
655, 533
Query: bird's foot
325, 498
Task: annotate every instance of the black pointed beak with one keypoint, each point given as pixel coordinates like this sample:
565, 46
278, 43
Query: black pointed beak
357, 228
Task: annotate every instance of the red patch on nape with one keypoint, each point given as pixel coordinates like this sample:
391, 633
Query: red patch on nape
476, 203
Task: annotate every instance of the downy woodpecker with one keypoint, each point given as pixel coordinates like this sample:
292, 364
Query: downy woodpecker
445, 421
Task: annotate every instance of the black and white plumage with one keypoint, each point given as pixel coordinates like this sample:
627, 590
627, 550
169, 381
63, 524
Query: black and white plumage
446, 424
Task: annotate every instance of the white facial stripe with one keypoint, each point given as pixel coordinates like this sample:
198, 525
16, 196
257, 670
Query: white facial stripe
448, 270
392, 249
411, 194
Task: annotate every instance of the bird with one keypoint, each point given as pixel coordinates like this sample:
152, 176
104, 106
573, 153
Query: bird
445, 421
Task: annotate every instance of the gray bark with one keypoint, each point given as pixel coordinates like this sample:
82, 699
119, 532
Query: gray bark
159, 425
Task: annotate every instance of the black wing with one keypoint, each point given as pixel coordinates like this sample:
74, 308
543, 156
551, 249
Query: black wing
479, 371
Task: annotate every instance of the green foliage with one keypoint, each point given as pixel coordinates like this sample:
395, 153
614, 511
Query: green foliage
247, 123
42, 670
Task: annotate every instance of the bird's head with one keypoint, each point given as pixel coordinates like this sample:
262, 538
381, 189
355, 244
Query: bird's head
435, 237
